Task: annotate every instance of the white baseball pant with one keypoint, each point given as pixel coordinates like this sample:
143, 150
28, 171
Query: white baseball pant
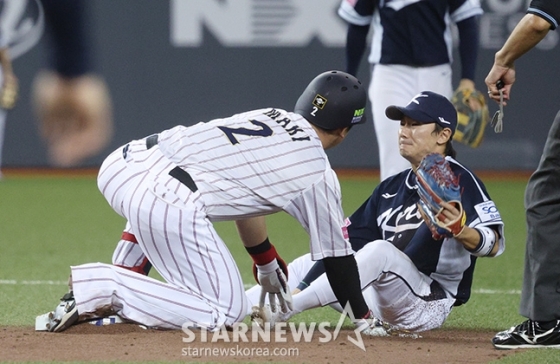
397, 85
392, 286
168, 220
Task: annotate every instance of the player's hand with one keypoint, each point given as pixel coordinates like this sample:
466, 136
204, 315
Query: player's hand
274, 283
450, 212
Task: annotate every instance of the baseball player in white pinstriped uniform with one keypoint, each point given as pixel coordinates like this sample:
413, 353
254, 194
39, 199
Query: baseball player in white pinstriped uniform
172, 186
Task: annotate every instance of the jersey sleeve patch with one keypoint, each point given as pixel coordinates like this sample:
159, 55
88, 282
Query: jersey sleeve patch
347, 223
487, 211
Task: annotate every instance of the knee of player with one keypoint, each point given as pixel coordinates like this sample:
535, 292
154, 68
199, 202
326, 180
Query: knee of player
378, 251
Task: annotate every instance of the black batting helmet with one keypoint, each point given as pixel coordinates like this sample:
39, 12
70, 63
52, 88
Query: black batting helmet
333, 100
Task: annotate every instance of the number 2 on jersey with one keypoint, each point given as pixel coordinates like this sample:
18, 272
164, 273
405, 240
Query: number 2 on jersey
264, 131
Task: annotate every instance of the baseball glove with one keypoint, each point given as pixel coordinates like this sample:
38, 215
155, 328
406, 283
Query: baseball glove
472, 116
436, 184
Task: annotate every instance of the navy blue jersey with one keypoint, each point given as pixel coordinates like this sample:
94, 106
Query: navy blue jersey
391, 214
410, 32
66, 22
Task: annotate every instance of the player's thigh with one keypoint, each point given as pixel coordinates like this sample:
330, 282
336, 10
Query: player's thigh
114, 179
397, 292
390, 85
437, 79
391, 272
182, 244
298, 269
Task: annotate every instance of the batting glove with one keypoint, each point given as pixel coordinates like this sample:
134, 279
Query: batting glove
273, 282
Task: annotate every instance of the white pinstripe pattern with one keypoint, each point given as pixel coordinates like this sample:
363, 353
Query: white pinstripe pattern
141, 299
262, 175
127, 253
281, 166
173, 233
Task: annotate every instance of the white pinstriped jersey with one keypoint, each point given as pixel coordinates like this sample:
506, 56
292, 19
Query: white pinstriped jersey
249, 164
260, 162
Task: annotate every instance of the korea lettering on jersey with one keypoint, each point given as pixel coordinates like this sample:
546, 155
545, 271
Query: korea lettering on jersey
391, 214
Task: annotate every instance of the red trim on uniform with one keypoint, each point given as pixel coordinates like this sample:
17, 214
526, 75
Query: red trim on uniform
143, 268
129, 237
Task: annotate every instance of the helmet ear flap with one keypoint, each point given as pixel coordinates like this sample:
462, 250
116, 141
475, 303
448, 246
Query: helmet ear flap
333, 100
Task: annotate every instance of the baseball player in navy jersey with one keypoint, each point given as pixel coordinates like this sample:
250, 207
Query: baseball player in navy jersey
411, 51
173, 185
410, 280
540, 296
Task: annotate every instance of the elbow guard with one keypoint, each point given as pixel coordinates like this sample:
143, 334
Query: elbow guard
488, 239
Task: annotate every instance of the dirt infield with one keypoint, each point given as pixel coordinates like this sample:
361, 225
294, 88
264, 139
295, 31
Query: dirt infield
125, 342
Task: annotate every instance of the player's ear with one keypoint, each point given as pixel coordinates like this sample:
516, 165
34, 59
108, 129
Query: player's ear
344, 131
444, 136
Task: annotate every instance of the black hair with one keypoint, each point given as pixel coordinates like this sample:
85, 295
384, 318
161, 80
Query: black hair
333, 131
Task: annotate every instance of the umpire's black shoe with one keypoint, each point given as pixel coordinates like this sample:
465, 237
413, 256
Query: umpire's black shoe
529, 334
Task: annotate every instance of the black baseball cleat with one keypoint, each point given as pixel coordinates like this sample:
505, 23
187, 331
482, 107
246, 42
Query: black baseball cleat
64, 315
529, 334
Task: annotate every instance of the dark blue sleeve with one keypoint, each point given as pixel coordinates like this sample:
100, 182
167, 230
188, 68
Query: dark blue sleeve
471, 193
66, 26
546, 9
355, 47
423, 250
316, 270
468, 46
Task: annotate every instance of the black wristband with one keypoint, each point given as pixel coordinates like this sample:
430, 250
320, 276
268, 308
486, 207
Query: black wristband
261, 248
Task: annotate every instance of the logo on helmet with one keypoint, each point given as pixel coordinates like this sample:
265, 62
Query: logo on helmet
319, 101
358, 114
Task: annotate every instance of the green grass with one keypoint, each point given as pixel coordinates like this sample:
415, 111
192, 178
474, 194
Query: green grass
50, 223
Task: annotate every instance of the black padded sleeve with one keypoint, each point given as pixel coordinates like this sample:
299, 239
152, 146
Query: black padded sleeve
344, 278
